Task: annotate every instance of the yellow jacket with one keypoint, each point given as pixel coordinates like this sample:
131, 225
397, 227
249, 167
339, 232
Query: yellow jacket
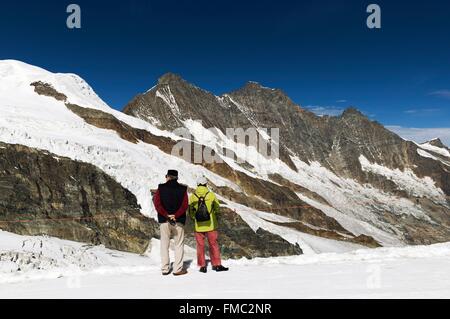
212, 203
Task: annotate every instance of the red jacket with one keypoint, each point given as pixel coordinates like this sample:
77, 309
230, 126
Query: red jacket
171, 199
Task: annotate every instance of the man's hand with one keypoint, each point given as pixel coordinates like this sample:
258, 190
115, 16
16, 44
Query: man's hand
172, 220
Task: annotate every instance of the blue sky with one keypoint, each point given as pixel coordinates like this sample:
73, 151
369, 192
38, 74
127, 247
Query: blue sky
319, 52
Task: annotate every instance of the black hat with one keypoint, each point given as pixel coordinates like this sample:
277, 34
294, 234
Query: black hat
172, 173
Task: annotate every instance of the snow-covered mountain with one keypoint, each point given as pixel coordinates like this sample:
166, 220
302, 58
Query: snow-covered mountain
354, 170
339, 184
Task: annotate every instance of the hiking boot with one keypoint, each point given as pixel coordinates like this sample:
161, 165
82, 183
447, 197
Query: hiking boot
203, 270
220, 268
180, 273
165, 273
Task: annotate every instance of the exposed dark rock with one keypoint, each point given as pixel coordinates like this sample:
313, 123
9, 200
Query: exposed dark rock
43, 194
48, 90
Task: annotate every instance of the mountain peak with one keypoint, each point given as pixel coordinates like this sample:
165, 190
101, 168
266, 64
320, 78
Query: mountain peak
252, 85
20, 69
436, 142
352, 111
252, 88
169, 78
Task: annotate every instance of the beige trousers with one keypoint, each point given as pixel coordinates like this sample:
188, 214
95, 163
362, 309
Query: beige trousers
167, 231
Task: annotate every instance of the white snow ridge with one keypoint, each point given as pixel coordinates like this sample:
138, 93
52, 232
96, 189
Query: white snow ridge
167, 96
438, 150
406, 180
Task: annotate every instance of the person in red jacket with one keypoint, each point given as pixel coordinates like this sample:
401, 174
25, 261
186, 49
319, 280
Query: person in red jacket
171, 202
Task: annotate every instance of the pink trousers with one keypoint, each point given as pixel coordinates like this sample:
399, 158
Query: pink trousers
214, 251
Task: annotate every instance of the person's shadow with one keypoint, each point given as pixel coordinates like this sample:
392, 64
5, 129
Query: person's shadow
186, 264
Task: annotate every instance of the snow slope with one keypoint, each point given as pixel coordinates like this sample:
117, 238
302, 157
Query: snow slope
53, 268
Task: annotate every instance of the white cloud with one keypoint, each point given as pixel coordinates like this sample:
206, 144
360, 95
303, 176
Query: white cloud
325, 110
341, 101
421, 135
441, 93
422, 111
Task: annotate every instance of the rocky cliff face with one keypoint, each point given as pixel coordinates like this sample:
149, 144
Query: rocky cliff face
43, 194
171, 102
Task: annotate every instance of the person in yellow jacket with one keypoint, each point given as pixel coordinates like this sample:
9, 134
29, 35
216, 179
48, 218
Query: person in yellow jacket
206, 228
